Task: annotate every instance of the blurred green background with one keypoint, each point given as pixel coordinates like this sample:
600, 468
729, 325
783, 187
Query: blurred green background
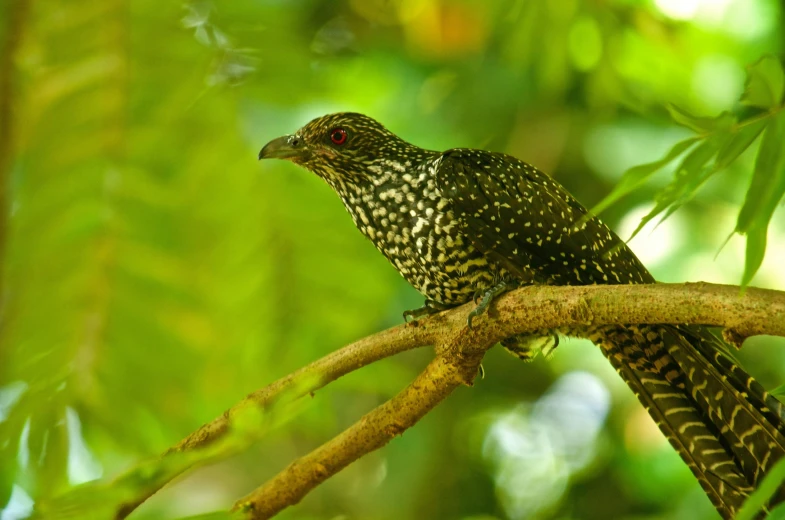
154, 273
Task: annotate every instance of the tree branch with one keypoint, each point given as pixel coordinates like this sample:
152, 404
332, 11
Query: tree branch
371, 432
459, 353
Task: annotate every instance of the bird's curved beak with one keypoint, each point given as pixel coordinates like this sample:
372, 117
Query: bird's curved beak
285, 147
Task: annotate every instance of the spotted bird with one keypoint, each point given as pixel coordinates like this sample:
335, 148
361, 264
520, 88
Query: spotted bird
469, 224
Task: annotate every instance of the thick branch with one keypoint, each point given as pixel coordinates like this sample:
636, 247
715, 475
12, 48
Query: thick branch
758, 311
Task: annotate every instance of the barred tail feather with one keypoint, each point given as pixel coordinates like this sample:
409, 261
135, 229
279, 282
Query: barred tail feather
733, 399
726, 428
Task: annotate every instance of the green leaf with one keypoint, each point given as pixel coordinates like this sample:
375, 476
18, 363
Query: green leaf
754, 253
768, 179
637, 175
779, 391
765, 491
690, 174
765, 83
767, 188
744, 136
778, 513
702, 125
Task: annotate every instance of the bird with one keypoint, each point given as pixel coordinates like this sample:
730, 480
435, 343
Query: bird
468, 225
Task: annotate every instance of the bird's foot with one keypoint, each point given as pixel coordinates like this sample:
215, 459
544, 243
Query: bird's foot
487, 298
430, 307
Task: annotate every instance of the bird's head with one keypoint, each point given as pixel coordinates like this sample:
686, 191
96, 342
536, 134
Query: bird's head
345, 147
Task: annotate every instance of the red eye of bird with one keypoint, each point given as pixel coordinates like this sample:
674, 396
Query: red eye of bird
338, 136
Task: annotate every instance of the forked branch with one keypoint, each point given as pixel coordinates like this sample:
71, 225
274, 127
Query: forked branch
459, 351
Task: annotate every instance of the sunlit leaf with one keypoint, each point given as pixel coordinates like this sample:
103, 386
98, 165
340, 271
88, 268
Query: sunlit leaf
771, 483
765, 192
637, 175
779, 391
754, 252
739, 142
778, 513
765, 83
702, 125
691, 173
768, 178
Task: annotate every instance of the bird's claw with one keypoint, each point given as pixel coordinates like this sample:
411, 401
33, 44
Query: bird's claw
487, 297
475, 312
412, 314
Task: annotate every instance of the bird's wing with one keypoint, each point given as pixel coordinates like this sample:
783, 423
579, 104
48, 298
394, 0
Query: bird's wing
519, 216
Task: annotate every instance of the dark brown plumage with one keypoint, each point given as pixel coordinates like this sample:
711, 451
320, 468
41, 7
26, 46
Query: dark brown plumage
468, 222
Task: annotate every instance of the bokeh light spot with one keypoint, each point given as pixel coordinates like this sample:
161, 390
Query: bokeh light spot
678, 9
657, 241
535, 449
585, 43
717, 82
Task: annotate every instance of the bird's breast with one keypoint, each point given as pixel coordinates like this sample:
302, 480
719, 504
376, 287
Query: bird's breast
413, 225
